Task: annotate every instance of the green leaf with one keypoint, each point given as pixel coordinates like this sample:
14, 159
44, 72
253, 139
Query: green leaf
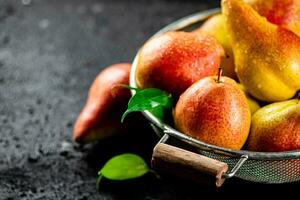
158, 112
152, 99
124, 167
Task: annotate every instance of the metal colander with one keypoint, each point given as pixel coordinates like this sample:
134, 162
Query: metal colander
263, 171
263, 167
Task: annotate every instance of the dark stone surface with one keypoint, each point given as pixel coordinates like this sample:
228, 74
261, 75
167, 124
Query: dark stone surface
50, 52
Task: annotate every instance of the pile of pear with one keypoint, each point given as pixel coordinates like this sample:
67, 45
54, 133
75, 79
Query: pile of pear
254, 104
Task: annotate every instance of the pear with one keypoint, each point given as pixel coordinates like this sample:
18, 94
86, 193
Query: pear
281, 12
107, 100
215, 26
214, 110
276, 127
253, 105
267, 57
173, 61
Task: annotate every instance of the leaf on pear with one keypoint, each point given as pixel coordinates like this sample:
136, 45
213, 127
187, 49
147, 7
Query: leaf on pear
154, 100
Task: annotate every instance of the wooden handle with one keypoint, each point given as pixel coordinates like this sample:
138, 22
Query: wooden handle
186, 164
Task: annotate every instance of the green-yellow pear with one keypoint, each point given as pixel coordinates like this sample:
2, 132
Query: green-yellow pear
267, 57
281, 12
253, 105
215, 26
276, 127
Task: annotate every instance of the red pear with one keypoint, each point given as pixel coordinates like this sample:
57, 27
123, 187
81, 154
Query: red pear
175, 60
106, 102
285, 13
214, 111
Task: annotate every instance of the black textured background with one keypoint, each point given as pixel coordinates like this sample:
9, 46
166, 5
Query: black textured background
50, 52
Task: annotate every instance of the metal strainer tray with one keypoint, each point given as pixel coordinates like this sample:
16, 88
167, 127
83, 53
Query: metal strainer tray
263, 167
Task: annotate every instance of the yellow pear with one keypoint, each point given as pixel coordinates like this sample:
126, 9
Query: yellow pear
253, 105
267, 56
215, 26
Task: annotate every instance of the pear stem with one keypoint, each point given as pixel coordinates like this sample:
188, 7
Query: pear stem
219, 74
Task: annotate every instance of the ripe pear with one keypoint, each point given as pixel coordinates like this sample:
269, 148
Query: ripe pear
214, 111
285, 13
107, 100
175, 60
215, 26
267, 57
253, 105
276, 127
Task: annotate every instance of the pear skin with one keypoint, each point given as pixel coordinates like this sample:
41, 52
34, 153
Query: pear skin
215, 26
173, 61
276, 127
285, 13
267, 57
107, 100
215, 112
253, 105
